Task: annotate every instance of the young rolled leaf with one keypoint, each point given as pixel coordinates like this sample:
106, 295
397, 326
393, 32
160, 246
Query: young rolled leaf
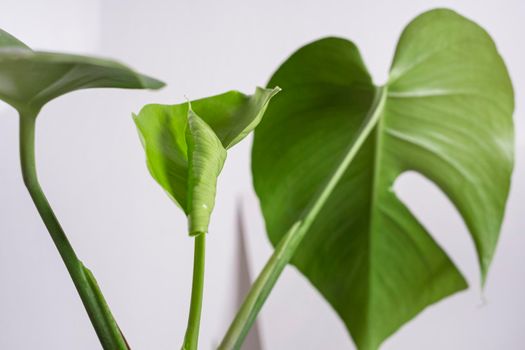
445, 112
206, 156
186, 145
29, 79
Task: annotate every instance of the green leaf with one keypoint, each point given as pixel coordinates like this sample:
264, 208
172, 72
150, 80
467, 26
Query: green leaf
206, 156
186, 147
9, 41
445, 112
29, 79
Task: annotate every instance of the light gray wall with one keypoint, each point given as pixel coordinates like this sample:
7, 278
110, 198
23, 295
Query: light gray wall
129, 233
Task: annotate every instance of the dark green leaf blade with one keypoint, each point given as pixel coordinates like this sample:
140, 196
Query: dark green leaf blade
365, 252
451, 100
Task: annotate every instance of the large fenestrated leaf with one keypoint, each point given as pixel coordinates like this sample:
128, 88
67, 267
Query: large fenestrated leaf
445, 112
29, 79
186, 145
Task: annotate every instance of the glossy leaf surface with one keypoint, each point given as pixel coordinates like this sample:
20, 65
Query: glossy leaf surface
445, 112
186, 147
29, 79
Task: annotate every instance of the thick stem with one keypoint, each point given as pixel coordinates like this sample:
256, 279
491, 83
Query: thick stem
191, 339
96, 307
287, 246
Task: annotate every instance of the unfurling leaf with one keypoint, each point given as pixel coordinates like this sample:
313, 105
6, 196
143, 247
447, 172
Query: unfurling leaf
186, 147
206, 156
29, 79
445, 112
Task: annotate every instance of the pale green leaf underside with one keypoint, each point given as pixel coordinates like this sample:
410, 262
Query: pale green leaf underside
29, 79
186, 147
447, 115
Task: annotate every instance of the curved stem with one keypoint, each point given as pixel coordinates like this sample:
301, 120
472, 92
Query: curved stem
86, 285
191, 338
287, 246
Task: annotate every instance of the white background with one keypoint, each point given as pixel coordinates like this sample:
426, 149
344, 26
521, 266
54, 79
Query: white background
130, 234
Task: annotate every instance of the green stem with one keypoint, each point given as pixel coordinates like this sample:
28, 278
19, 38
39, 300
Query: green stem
86, 285
191, 338
287, 246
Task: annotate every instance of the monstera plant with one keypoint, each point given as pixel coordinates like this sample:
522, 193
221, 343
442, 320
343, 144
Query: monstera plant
185, 147
325, 159
28, 80
327, 154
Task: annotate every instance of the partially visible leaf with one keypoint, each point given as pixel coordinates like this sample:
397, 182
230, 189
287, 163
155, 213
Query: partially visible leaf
9, 41
445, 112
186, 147
29, 79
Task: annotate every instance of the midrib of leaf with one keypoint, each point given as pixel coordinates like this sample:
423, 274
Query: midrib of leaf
373, 195
372, 119
48, 89
290, 241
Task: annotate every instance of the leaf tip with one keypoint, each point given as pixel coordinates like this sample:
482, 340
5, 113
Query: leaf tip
271, 92
9, 41
190, 109
151, 83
